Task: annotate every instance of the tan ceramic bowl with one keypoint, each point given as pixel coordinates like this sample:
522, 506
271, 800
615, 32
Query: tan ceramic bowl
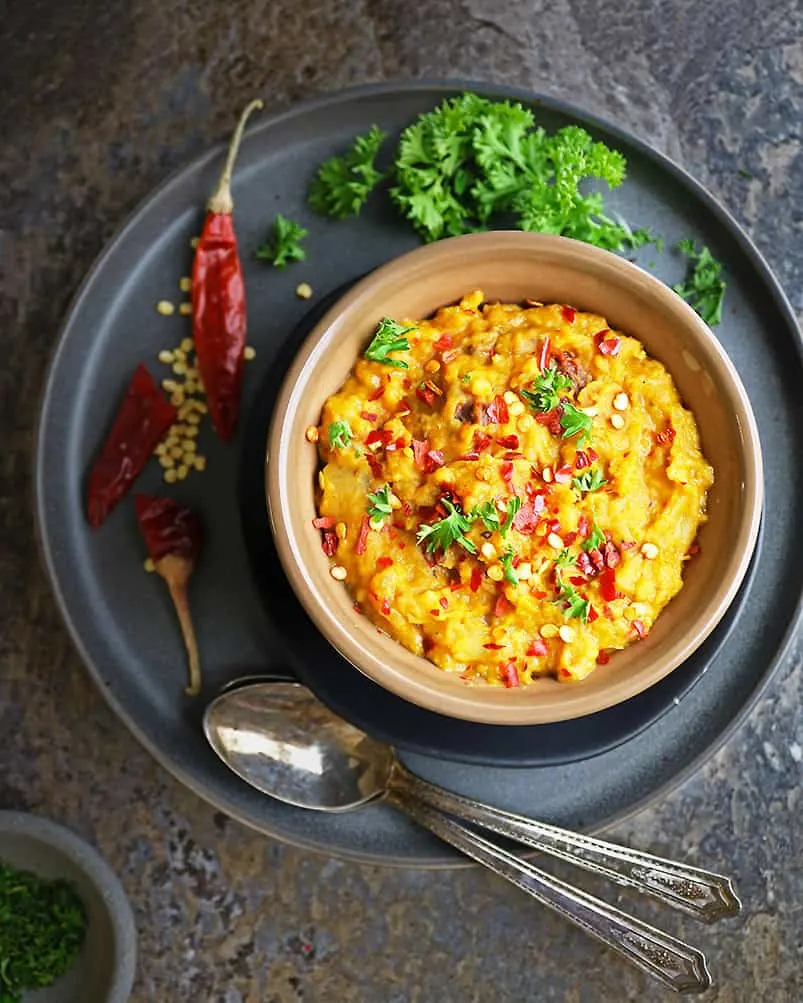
510, 265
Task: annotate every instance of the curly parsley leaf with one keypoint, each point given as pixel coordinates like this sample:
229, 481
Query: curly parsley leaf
451, 529
342, 184
340, 435
285, 245
380, 503
548, 387
488, 514
573, 421
595, 539
513, 507
703, 288
390, 336
573, 604
589, 480
506, 560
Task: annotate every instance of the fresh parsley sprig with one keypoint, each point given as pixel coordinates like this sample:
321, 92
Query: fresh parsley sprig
506, 560
548, 387
489, 515
390, 336
451, 529
703, 288
342, 184
380, 503
589, 480
285, 245
574, 605
595, 538
573, 421
340, 435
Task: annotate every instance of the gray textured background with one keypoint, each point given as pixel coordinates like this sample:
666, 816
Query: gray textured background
101, 99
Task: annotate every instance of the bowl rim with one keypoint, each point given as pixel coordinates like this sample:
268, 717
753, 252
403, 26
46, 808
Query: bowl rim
463, 702
70, 846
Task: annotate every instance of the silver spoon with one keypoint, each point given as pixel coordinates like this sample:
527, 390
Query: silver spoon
279, 738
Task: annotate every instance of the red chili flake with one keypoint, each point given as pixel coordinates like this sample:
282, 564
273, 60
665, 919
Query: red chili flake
603, 658
627, 544
563, 475
551, 419
435, 612
402, 410
368, 415
444, 342
407, 508
568, 313
493, 647
666, 437
553, 526
357, 608
583, 527
329, 542
577, 580
469, 457
539, 594
324, 522
402, 546
592, 454
444, 602
544, 355
384, 562
592, 614
433, 460
508, 441
607, 585
376, 394
640, 629
476, 579
481, 441
565, 673
510, 674
385, 608
362, 536
425, 394
420, 450
694, 549
374, 464
455, 586
607, 346
528, 516
612, 556
569, 538
584, 564
537, 648
405, 382
582, 459
507, 473
502, 605
383, 435
496, 413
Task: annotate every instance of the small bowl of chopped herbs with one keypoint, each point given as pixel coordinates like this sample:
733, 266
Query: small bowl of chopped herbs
67, 933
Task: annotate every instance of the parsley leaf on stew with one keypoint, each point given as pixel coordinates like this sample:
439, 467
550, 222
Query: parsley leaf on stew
574, 605
589, 480
506, 561
548, 386
487, 512
340, 435
390, 336
563, 560
596, 538
380, 503
286, 243
573, 421
513, 507
451, 529
703, 288
342, 184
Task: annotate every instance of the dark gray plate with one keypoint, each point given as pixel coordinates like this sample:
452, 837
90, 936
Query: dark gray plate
120, 618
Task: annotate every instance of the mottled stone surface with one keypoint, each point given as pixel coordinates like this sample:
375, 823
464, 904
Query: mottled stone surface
101, 100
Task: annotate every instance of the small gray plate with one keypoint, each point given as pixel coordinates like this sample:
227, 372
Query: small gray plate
104, 970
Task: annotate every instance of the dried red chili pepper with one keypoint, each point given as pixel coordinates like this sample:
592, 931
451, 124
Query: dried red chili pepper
510, 674
362, 536
495, 413
493, 647
568, 313
476, 579
607, 585
502, 605
433, 460
544, 355
324, 522
218, 300
384, 562
607, 346
426, 394
142, 419
173, 536
537, 649
508, 441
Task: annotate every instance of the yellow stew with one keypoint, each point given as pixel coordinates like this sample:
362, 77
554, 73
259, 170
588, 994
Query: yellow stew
511, 492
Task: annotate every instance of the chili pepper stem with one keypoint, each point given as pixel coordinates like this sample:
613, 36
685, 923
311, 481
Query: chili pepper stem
176, 572
221, 201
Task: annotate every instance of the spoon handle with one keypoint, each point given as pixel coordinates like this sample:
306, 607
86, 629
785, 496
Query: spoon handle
702, 894
677, 965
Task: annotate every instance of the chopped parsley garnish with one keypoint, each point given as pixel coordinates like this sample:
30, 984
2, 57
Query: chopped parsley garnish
703, 288
42, 928
589, 480
513, 507
340, 435
390, 337
573, 421
380, 503
465, 377
574, 605
490, 517
342, 184
449, 530
595, 539
506, 560
548, 387
286, 243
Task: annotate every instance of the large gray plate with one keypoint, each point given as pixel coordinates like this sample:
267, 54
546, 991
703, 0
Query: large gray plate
120, 618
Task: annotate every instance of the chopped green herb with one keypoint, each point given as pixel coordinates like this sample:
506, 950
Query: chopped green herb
563, 560
574, 605
589, 480
340, 435
595, 539
703, 288
451, 529
42, 929
285, 245
488, 514
389, 337
506, 561
465, 377
513, 507
548, 387
380, 503
342, 184
573, 421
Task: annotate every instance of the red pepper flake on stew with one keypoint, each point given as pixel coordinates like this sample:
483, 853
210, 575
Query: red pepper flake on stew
481, 441
607, 585
368, 415
329, 542
603, 658
376, 394
382, 435
433, 460
640, 629
667, 437
607, 345
384, 562
324, 522
551, 419
507, 473
385, 608
493, 647
476, 579
443, 343
508, 441
563, 475
374, 464
568, 313
502, 605
544, 355
510, 674
538, 648
426, 394
362, 536
496, 413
